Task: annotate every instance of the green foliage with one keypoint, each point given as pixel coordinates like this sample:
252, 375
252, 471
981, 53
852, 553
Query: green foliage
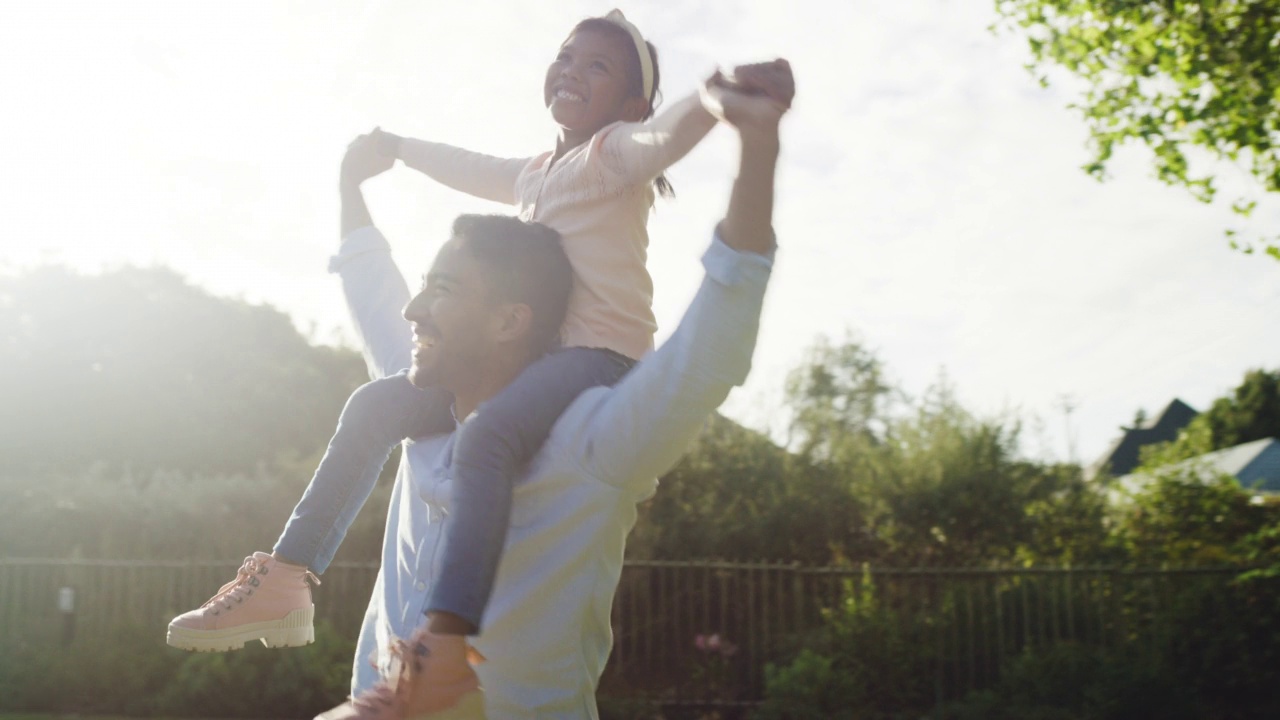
1076, 682
136, 368
736, 495
810, 688
1224, 644
1070, 522
838, 397
1183, 515
260, 682
950, 491
612, 708
100, 513
1171, 74
1219, 657
878, 479
136, 675
1251, 412
862, 663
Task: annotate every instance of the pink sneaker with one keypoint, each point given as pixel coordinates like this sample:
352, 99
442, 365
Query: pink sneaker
268, 601
435, 682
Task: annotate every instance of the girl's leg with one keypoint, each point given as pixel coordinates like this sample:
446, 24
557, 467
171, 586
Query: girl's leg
270, 598
490, 448
377, 417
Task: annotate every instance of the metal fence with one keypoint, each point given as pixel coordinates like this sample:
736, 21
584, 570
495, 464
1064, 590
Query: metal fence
962, 625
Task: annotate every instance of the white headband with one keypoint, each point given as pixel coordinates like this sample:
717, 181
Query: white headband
642, 49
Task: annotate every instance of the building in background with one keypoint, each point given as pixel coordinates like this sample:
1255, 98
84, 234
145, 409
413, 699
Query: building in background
1123, 455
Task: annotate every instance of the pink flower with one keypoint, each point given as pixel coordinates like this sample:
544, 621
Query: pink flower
700, 642
713, 643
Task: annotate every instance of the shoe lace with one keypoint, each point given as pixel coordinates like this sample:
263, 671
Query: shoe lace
245, 580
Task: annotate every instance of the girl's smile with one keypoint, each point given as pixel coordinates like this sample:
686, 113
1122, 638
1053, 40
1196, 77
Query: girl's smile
588, 85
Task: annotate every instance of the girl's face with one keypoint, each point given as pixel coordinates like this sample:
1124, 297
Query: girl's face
587, 84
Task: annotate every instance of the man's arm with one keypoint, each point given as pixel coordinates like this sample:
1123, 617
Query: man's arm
374, 288
647, 421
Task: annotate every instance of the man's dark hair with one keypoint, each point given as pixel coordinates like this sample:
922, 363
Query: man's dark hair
526, 264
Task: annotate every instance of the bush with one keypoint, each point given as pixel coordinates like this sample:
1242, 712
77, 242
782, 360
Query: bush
812, 687
861, 664
136, 676
1069, 681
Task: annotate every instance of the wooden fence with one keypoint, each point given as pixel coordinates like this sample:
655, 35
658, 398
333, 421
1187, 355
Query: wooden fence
970, 621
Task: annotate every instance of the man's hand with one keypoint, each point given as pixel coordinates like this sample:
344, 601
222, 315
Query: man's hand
362, 161
772, 78
754, 109
387, 143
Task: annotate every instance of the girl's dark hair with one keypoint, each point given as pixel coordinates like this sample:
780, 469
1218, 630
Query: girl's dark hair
635, 80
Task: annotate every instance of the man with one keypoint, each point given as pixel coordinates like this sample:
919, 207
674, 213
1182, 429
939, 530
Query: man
546, 632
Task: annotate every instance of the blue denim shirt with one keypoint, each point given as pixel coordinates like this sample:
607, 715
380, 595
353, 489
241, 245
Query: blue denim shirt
546, 630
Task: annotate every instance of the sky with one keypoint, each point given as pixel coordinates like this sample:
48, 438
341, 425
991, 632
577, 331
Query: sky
930, 198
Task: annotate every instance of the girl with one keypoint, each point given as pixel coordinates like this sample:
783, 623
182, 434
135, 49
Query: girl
596, 188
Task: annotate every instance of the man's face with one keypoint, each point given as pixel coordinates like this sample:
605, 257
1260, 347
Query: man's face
452, 316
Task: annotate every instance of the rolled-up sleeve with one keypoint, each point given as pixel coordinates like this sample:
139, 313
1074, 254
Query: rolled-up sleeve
376, 294
646, 423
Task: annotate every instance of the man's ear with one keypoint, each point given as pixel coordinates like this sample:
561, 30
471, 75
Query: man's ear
634, 108
512, 321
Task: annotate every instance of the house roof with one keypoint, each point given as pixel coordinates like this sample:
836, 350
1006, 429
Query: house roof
1122, 457
1255, 464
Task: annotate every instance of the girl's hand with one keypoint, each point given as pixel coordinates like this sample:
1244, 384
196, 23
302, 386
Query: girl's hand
730, 103
362, 161
388, 144
767, 78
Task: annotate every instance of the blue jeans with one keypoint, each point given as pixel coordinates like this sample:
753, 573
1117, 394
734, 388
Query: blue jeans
503, 435
377, 417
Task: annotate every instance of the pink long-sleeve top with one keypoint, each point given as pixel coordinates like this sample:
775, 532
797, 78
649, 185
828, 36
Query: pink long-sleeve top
597, 196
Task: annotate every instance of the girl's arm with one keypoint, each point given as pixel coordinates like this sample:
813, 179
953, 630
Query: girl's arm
641, 151
473, 173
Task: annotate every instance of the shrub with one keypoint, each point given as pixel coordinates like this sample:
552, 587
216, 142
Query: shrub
862, 663
134, 675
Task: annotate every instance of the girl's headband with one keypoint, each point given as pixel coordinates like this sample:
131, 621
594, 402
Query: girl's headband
642, 49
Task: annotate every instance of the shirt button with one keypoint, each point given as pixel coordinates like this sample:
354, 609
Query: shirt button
421, 586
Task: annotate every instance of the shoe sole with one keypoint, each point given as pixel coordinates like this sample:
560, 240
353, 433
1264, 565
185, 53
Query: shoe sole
295, 630
470, 707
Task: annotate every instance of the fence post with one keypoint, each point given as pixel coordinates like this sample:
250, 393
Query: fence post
797, 588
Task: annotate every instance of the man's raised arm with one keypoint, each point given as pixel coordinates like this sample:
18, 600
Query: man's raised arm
748, 223
646, 423
374, 288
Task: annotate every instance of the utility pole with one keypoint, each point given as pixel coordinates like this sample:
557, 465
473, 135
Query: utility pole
1068, 404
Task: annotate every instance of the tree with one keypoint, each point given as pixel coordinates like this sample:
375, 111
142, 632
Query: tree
948, 490
1251, 412
137, 368
837, 394
738, 496
1189, 515
1172, 74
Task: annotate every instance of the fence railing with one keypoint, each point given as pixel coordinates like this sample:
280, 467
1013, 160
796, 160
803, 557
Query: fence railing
970, 621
